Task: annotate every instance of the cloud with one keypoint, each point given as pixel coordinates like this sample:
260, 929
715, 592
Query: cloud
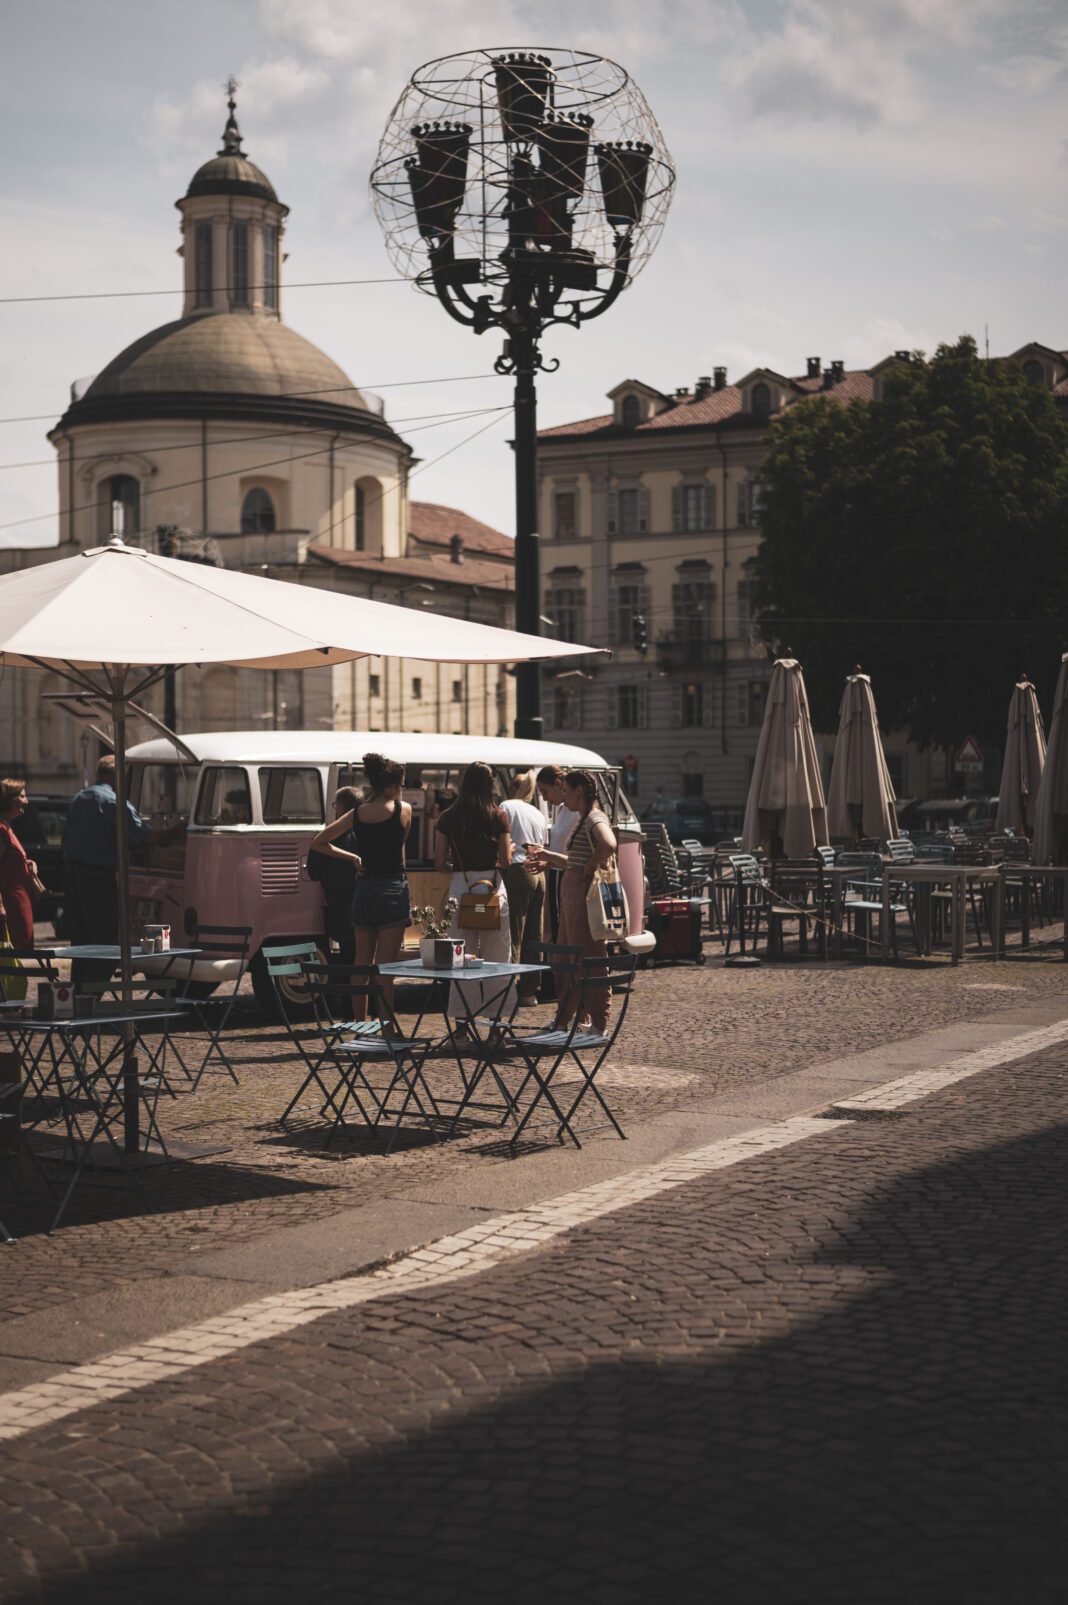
834, 61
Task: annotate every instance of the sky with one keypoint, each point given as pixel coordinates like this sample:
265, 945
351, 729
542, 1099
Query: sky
854, 177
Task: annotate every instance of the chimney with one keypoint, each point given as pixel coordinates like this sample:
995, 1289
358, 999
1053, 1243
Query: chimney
837, 372
903, 356
813, 367
456, 548
719, 378
680, 393
703, 387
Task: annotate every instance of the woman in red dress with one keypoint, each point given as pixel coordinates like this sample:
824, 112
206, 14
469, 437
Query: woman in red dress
18, 874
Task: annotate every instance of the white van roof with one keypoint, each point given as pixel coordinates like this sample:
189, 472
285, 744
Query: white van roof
349, 746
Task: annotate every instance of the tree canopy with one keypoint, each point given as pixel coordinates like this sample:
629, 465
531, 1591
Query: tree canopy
921, 536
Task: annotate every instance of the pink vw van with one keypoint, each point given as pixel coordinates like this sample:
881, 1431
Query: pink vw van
253, 800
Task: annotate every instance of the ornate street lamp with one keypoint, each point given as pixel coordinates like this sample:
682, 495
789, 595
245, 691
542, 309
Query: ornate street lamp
489, 199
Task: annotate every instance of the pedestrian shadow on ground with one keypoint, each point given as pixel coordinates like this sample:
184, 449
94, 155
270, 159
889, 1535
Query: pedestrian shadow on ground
733, 1414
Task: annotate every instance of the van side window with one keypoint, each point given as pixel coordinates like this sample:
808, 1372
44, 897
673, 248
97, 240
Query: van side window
224, 798
291, 796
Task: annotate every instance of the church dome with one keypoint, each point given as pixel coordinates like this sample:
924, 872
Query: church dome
231, 174
227, 365
228, 354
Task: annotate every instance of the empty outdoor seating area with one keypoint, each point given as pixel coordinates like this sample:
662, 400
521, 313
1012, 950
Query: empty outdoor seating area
921, 895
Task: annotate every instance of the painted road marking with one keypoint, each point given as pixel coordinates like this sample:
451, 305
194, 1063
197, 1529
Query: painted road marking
466, 1253
895, 1094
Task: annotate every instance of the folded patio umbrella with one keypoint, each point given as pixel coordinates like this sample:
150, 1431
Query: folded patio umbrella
1051, 805
1025, 759
114, 619
786, 792
860, 798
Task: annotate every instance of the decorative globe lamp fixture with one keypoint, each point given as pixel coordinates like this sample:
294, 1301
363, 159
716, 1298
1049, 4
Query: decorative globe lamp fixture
488, 198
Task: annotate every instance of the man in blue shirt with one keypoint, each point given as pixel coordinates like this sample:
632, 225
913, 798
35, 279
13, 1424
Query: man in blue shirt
90, 850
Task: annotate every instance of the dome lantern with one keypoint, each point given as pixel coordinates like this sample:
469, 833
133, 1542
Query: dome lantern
232, 226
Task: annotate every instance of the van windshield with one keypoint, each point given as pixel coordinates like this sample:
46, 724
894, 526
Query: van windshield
161, 792
224, 797
291, 796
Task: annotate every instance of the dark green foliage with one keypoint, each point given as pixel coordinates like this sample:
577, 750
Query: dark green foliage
921, 536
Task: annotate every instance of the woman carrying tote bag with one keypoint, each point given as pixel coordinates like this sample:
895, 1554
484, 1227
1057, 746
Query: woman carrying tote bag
474, 835
590, 849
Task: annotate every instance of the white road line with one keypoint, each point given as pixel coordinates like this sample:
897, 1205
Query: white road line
895, 1094
466, 1253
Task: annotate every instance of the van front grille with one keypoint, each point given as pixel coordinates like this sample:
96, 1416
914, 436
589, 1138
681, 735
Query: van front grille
279, 868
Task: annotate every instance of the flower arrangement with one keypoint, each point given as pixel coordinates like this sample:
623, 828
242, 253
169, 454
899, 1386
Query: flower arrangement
431, 923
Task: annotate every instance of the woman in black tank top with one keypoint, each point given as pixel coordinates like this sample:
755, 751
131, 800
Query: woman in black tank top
381, 906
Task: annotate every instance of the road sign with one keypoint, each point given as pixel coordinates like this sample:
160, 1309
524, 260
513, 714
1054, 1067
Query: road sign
969, 759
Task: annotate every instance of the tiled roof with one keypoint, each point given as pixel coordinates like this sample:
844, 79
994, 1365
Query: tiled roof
718, 407
440, 570
433, 525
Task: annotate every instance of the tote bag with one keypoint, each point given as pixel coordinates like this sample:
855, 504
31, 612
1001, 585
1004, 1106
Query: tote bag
606, 905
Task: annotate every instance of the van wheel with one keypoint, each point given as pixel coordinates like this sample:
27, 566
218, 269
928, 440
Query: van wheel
294, 994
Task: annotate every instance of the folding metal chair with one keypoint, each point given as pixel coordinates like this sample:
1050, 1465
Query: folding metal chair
228, 942
286, 962
584, 1049
352, 1046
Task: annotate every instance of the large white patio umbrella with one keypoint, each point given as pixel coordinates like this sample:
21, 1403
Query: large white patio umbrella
1051, 805
114, 619
860, 798
786, 792
1024, 761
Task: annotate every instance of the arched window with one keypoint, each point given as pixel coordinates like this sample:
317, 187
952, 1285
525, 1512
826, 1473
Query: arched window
257, 513
203, 261
761, 403
367, 506
270, 266
361, 518
631, 412
239, 267
120, 506
1033, 371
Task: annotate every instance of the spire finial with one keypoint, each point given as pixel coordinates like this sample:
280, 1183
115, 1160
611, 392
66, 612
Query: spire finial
231, 145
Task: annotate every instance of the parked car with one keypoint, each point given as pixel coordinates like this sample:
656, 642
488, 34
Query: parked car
686, 818
40, 830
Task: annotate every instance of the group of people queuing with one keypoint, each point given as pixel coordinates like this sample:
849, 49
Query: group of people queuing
535, 862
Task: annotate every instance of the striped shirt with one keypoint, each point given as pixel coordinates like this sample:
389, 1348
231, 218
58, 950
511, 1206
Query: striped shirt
581, 849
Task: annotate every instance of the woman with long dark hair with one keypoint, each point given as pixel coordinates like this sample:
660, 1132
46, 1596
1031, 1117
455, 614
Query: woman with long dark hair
473, 839
381, 906
590, 849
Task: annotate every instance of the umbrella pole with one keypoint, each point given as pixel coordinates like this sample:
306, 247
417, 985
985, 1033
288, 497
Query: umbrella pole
131, 1095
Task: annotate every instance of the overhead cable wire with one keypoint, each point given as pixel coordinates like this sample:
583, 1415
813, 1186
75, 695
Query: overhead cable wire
287, 395
130, 295
254, 468
194, 444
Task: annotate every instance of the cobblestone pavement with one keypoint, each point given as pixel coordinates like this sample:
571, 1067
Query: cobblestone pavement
691, 1034
831, 1373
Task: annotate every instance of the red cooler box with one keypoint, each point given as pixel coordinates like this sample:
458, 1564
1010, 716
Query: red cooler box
676, 924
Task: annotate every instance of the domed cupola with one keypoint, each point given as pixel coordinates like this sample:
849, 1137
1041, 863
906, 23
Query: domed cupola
232, 226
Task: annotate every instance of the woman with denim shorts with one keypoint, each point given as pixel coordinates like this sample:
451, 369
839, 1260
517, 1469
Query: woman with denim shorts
381, 906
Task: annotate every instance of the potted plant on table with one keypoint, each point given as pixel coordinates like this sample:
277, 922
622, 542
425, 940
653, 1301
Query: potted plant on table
434, 926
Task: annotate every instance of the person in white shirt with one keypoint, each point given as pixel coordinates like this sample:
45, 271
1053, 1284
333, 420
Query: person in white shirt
527, 827
564, 824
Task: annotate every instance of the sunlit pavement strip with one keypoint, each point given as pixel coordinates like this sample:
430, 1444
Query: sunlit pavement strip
895, 1094
466, 1253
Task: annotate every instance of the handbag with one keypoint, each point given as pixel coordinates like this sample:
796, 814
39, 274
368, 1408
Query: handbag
478, 910
606, 904
13, 984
